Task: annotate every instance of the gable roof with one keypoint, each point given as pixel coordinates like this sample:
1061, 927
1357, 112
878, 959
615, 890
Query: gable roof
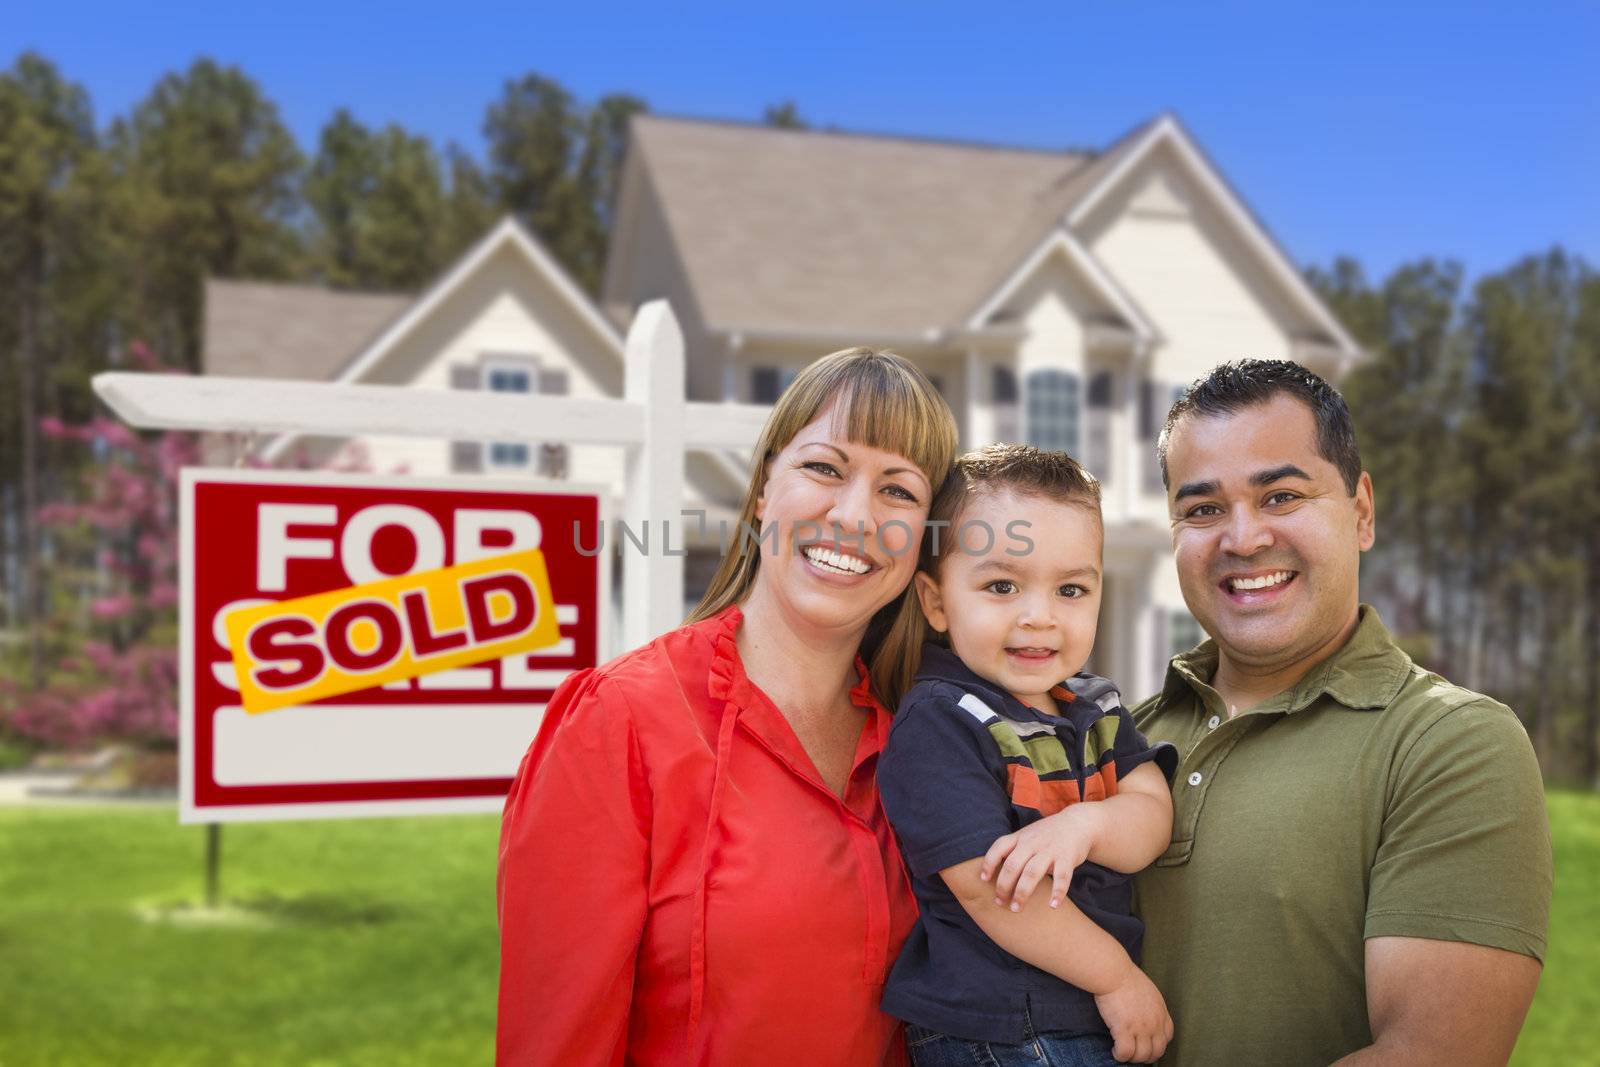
1046, 219
268, 330
790, 229
1060, 240
1166, 130
508, 233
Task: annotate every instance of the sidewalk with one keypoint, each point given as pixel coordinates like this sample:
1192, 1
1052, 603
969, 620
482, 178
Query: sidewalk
29, 786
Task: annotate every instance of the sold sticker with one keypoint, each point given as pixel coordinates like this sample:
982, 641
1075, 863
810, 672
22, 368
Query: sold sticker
293, 652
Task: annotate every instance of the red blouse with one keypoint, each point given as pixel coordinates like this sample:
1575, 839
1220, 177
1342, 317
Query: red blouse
677, 885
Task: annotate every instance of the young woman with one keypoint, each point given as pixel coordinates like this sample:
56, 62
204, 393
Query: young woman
694, 863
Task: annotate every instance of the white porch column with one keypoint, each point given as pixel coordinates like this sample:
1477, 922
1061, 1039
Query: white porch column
1120, 501
979, 421
1143, 679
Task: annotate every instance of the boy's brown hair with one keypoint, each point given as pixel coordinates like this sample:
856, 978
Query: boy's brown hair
1021, 469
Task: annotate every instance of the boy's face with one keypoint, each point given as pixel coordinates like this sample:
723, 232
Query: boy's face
1022, 616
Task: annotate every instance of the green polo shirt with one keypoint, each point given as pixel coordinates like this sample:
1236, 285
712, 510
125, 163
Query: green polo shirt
1372, 799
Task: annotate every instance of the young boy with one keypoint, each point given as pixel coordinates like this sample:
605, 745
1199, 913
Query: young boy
991, 754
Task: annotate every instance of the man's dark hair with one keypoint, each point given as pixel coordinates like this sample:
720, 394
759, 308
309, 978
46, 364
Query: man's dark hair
1247, 382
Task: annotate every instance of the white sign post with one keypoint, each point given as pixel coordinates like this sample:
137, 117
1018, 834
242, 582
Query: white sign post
653, 420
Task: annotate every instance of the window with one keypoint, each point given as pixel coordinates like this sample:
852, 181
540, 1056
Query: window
509, 380
1155, 400
1100, 389
1004, 385
1097, 450
1183, 632
1053, 410
1149, 427
768, 383
1007, 395
504, 454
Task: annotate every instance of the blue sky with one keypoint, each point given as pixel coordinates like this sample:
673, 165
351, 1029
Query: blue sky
1386, 131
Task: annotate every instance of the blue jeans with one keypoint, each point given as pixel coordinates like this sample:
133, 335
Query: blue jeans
929, 1048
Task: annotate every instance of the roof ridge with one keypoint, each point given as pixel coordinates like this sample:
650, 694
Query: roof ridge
318, 287
1075, 153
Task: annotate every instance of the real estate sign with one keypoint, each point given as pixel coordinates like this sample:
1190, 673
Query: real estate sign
363, 645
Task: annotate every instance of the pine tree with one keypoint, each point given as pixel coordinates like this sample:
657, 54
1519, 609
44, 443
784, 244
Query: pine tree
47, 293
208, 178
379, 202
555, 166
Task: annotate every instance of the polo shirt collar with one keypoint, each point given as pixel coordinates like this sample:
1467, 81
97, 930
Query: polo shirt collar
1365, 675
940, 662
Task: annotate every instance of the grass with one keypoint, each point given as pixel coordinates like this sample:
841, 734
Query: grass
357, 943
1562, 1024
372, 942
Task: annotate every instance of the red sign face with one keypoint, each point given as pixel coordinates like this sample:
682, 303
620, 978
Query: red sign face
440, 740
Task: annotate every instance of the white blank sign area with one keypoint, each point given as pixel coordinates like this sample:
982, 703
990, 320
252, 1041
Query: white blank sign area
371, 743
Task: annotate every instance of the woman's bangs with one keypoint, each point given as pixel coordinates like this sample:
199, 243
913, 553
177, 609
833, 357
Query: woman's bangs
888, 410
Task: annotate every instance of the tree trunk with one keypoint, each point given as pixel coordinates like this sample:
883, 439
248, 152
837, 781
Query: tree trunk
1548, 689
1509, 657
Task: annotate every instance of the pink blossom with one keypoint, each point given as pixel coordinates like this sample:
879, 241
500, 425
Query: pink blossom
111, 607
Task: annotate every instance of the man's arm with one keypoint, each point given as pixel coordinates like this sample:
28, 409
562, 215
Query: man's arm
1448, 1003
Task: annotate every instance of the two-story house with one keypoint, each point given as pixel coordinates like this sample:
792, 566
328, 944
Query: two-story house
1057, 298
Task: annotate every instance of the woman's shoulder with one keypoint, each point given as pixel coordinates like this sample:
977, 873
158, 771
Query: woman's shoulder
678, 662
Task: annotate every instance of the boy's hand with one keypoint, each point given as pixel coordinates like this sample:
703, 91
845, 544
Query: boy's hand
1137, 1017
1054, 845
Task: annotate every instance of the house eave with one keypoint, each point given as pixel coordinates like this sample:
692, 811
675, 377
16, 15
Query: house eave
934, 338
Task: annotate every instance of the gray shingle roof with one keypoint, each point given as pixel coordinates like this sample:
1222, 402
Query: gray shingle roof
267, 330
795, 230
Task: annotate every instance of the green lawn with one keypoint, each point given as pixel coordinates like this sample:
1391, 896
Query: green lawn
1565, 1018
373, 942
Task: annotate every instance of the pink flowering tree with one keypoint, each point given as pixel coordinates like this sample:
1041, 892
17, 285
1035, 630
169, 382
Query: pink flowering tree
112, 659
112, 640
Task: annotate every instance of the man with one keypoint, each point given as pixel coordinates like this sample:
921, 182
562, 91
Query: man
1360, 864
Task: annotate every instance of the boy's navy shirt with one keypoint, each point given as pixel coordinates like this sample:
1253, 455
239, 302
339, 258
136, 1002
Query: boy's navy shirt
967, 762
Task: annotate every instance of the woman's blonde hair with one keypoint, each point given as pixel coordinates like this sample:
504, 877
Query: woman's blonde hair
884, 402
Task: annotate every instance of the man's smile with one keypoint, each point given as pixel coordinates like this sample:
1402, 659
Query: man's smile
1257, 587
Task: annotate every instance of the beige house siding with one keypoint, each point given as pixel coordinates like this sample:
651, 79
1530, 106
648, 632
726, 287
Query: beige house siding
1208, 307
505, 308
1051, 308
643, 264
1208, 300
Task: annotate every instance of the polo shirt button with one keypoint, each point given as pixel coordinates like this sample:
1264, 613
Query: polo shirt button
1194, 779
1213, 722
